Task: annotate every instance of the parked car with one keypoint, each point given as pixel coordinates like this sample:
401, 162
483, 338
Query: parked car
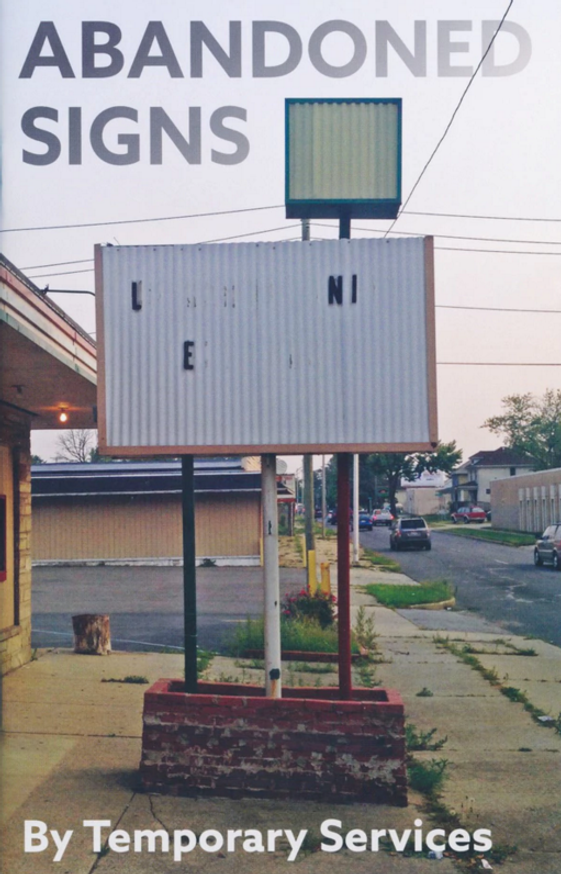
381, 517
469, 514
548, 547
364, 522
411, 533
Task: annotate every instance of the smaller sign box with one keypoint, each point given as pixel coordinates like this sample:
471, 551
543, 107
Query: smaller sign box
343, 158
268, 347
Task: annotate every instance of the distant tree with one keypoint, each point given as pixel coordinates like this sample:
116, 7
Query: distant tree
380, 474
76, 445
531, 426
36, 459
393, 467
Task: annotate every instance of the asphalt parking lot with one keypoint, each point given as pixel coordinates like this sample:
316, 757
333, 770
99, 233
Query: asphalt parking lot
145, 604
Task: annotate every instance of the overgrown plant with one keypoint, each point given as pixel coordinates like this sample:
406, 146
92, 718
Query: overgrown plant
364, 633
318, 607
427, 777
417, 739
296, 634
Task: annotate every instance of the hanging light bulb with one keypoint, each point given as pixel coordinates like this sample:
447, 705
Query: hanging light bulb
63, 416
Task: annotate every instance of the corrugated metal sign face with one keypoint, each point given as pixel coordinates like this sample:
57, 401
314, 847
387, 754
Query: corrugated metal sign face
269, 347
343, 157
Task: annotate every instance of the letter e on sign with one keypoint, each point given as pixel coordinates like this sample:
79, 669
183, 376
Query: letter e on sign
188, 353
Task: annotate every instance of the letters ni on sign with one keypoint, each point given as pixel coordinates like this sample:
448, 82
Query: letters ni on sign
268, 347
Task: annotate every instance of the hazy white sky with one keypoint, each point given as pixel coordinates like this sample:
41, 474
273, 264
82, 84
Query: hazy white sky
499, 159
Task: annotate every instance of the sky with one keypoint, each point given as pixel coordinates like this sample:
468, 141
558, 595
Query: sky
490, 193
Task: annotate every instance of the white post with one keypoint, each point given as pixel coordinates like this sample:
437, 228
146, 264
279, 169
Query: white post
323, 497
271, 576
355, 509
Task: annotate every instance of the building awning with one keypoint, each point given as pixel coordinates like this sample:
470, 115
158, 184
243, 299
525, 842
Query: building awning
47, 361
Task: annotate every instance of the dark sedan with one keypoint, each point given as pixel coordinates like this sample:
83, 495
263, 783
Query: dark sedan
410, 534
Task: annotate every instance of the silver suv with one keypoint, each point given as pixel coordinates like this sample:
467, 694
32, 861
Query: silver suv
410, 533
548, 548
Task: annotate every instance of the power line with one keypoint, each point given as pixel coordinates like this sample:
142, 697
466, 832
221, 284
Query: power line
249, 234
62, 273
454, 114
495, 218
444, 306
451, 236
200, 243
167, 218
493, 251
57, 264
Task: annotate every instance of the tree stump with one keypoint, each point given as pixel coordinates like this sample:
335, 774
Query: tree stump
91, 634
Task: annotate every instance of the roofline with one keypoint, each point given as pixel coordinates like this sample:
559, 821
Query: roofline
21, 284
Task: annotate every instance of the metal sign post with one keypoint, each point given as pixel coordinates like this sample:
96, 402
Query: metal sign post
344, 573
189, 572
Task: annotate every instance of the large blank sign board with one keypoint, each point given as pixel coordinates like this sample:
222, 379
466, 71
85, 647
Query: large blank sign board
268, 347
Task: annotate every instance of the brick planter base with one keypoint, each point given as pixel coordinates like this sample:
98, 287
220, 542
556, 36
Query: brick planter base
229, 740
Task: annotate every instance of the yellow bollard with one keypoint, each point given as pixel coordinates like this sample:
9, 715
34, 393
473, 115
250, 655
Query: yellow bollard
325, 578
312, 573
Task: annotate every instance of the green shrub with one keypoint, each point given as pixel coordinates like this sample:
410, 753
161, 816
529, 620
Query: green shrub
296, 634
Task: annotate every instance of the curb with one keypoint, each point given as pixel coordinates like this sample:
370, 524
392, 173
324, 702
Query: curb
436, 605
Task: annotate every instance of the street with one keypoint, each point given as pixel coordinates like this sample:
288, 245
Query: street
145, 604
498, 582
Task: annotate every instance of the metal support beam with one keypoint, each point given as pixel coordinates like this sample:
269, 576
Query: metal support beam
189, 572
344, 574
309, 508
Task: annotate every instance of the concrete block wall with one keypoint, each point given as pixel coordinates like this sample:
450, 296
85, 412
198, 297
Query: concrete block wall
229, 740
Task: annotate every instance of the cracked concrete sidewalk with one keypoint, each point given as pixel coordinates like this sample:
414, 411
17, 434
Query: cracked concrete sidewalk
70, 748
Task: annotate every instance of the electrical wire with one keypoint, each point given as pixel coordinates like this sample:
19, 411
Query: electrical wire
450, 236
494, 218
445, 306
167, 218
454, 114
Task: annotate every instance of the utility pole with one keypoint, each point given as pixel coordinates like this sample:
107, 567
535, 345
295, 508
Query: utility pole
271, 576
309, 504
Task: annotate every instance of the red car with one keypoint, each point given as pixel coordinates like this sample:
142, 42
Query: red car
469, 514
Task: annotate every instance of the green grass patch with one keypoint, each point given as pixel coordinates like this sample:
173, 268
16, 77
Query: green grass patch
507, 538
410, 596
297, 635
383, 562
134, 679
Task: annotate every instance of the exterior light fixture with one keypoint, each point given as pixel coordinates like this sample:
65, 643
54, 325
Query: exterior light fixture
63, 416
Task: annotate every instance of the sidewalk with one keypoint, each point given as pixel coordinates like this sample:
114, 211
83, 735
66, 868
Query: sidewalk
71, 745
